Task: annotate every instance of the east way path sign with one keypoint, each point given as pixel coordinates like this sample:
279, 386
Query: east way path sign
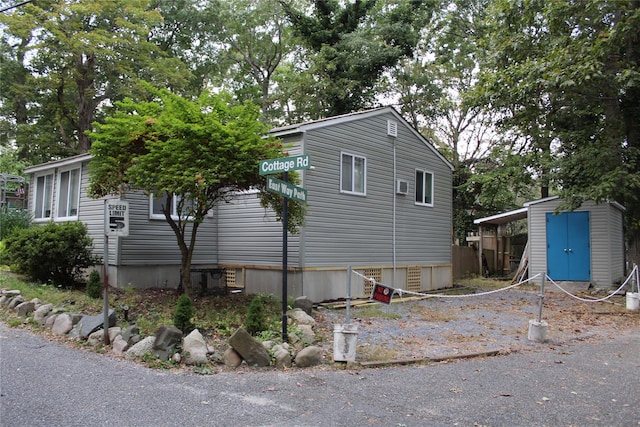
284, 164
286, 189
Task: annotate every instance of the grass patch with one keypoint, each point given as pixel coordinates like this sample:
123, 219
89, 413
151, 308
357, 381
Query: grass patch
374, 311
432, 314
375, 353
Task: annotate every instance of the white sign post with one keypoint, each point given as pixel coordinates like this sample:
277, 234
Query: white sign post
116, 223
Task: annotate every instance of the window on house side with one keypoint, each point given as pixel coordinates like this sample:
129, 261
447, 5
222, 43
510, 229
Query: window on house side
69, 193
353, 174
44, 191
158, 202
424, 188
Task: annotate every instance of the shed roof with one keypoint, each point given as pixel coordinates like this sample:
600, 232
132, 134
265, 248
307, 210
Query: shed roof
503, 218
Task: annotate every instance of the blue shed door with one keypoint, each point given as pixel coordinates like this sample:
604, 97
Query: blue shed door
568, 249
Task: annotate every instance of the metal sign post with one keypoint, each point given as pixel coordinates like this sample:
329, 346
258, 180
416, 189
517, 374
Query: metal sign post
116, 223
284, 188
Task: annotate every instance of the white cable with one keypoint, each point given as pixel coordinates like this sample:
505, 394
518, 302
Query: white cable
402, 291
595, 300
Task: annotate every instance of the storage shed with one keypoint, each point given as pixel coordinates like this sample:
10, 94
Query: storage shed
584, 245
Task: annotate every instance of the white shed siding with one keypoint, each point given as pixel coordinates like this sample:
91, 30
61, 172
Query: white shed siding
617, 244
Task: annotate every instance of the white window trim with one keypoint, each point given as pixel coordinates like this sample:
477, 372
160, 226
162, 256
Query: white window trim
59, 188
52, 174
353, 157
424, 172
174, 213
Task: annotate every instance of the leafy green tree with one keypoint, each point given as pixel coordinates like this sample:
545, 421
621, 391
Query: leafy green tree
567, 75
348, 46
203, 152
67, 61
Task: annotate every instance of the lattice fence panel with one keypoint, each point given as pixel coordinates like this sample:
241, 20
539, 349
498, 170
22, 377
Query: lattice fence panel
230, 276
373, 273
414, 279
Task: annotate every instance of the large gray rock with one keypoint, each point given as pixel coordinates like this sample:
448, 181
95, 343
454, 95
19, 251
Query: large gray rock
232, 358
89, 324
195, 349
167, 339
41, 313
249, 348
304, 303
300, 317
309, 356
25, 308
62, 325
50, 320
143, 347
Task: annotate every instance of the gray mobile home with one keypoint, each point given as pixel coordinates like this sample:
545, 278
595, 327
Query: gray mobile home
379, 200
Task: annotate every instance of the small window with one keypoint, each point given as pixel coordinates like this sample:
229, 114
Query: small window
43, 197
424, 188
68, 193
353, 174
158, 202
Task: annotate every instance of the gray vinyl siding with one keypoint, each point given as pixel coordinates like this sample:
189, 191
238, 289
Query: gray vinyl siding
605, 224
250, 235
152, 241
353, 229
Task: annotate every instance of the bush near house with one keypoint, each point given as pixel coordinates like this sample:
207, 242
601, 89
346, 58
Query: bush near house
256, 321
53, 253
94, 285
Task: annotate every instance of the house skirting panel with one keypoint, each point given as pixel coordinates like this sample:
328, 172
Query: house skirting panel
329, 283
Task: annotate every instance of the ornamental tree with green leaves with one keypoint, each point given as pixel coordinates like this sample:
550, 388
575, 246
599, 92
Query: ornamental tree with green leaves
200, 151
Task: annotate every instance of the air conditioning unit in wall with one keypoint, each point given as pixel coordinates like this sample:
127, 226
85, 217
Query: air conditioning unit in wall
402, 186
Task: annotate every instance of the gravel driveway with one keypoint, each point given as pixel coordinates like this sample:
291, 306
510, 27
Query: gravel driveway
437, 327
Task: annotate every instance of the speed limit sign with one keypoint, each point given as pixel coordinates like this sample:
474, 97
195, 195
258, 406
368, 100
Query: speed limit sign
116, 218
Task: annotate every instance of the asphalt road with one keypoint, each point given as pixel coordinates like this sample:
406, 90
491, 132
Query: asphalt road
45, 383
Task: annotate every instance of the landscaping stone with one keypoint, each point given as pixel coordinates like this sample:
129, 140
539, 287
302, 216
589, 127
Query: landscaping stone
18, 299
231, 358
304, 303
130, 333
308, 335
282, 358
308, 356
300, 317
168, 338
25, 308
119, 346
143, 347
42, 312
50, 320
195, 349
62, 324
249, 348
89, 324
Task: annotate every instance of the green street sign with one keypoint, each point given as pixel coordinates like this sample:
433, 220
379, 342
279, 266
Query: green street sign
286, 189
284, 164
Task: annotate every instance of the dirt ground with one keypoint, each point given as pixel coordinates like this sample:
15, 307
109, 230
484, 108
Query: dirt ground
436, 327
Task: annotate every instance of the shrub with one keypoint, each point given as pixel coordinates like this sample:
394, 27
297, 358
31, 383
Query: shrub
55, 253
183, 314
12, 220
256, 322
94, 285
